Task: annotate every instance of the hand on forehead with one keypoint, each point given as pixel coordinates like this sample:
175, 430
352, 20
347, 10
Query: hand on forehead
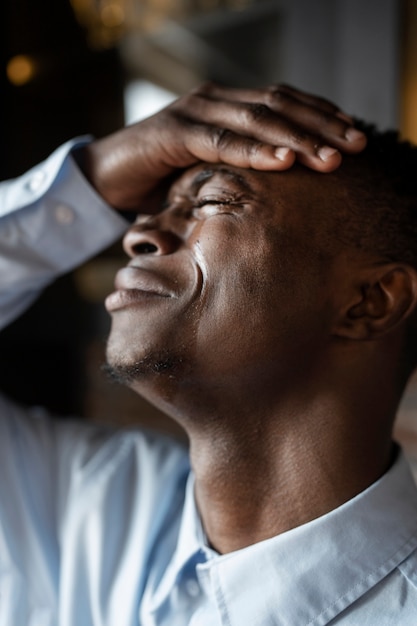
270, 128
261, 129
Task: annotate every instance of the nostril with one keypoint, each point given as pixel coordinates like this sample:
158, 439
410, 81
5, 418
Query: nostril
139, 241
145, 248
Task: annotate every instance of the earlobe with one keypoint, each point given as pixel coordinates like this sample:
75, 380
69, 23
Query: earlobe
383, 301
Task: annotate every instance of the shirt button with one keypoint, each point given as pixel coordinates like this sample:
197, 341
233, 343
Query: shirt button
64, 214
35, 182
192, 588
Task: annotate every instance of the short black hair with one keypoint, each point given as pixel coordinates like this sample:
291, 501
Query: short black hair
380, 191
377, 209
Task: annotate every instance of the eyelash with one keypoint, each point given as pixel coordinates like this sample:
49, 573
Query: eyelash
201, 203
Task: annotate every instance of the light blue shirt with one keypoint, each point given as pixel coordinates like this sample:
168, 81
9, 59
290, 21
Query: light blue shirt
100, 527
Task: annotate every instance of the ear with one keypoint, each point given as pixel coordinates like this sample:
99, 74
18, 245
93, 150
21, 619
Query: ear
382, 301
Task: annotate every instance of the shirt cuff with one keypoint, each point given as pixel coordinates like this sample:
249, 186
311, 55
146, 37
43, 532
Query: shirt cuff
60, 216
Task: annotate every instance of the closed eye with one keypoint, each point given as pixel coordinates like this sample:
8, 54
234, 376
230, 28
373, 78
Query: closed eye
213, 206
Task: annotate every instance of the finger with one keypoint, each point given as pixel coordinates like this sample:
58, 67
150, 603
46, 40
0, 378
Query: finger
328, 161
313, 113
308, 98
316, 102
215, 145
259, 123
330, 126
254, 118
218, 145
275, 91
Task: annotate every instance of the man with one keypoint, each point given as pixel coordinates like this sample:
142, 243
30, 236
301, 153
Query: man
259, 310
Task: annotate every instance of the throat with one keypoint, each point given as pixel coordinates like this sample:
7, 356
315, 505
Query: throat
252, 487
238, 492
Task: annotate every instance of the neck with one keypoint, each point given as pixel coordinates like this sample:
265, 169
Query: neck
254, 485
264, 466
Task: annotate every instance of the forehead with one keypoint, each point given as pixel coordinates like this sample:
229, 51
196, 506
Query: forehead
298, 182
196, 177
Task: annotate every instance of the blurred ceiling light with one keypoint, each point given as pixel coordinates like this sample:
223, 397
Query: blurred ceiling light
21, 69
107, 21
112, 15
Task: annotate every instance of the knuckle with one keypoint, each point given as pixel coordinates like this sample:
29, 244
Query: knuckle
331, 124
274, 90
254, 151
299, 136
273, 87
257, 112
205, 88
221, 138
276, 98
326, 118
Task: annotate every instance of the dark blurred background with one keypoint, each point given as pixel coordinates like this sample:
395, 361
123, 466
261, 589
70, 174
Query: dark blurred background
71, 67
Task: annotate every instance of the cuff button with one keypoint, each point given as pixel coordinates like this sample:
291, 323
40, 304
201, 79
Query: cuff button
35, 182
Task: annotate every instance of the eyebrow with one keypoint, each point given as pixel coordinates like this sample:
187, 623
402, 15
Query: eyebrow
207, 174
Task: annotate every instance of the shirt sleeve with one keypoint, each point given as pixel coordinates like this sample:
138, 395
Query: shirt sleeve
51, 220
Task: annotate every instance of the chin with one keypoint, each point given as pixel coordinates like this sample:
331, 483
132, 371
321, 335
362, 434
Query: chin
129, 373
128, 368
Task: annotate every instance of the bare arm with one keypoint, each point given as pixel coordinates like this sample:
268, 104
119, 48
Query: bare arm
265, 129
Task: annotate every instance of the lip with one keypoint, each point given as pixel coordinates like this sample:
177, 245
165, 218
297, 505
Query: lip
138, 278
135, 285
123, 298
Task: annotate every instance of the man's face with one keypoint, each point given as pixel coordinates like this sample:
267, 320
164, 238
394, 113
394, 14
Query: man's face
227, 285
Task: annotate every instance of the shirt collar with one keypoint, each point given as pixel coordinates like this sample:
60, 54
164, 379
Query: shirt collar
310, 574
191, 548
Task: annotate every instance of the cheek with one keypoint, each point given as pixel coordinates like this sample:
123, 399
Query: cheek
232, 255
262, 287
244, 287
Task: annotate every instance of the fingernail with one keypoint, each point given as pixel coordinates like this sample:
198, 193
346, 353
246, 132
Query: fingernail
282, 153
352, 134
325, 152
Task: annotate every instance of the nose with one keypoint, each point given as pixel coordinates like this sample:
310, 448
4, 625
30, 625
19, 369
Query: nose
147, 236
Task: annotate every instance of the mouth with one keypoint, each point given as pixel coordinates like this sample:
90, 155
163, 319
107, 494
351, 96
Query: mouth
123, 298
135, 285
